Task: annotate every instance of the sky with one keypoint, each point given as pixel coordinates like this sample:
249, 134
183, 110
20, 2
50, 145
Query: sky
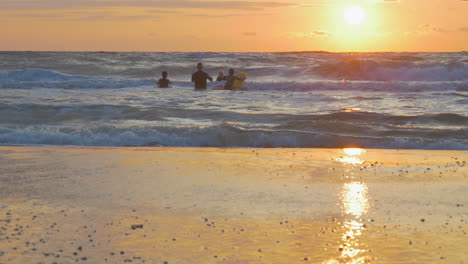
234, 25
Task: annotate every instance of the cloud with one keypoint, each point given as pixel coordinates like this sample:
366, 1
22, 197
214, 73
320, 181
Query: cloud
249, 34
211, 15
81, 16
464, 28
316, 33
162, 11
311, 6
321, 33
113, 18
214, 16
35, 15
430, 28
426, 29
80, 4
387, 1
317, 3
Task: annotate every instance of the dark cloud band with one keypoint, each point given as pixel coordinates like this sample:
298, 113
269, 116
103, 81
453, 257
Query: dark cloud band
77, 4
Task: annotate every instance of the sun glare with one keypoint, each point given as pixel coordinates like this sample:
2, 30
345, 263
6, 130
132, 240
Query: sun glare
354, 15
353, 151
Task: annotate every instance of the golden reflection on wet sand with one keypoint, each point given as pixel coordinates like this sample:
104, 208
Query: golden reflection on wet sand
354, 151
350, 157
354, 198
231, 206
354, 202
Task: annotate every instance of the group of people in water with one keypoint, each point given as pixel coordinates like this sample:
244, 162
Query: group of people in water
200, 78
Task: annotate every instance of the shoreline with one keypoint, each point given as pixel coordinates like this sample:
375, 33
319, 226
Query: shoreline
220, 148
232, 205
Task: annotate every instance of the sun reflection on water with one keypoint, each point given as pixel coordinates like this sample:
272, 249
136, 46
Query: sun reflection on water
352, 109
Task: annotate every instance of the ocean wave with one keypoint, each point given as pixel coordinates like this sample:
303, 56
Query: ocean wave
120, 125
367, 86
42, 78
393, 70
377, 118
371, 100
216, 136
275, 66
223, 135
37, 75
50, 114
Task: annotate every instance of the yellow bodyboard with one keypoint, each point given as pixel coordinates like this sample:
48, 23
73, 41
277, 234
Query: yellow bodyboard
238, 83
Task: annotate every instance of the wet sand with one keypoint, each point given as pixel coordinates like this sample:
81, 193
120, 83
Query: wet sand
194, 205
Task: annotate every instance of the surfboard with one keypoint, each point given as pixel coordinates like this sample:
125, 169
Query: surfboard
238, 83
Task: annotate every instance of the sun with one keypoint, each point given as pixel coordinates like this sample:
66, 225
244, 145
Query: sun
354, 15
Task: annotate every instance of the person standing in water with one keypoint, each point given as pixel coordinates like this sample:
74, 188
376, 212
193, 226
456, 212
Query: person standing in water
164, 82
230, 79
199, 78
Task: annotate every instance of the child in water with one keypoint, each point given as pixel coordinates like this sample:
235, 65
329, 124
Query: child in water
221, 77
164, 82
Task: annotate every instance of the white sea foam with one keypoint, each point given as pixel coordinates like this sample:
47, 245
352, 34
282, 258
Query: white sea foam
216, 136
395, 71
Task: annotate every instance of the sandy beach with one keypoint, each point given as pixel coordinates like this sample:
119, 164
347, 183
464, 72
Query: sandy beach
196, 205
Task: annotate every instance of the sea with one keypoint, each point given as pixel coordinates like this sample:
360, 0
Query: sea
292, 100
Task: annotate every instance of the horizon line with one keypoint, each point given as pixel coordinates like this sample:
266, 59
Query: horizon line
298, 51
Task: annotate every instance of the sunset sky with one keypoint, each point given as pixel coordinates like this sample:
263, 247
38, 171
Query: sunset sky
254, 25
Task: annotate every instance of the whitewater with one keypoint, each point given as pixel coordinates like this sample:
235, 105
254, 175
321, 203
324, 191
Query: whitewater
297, 100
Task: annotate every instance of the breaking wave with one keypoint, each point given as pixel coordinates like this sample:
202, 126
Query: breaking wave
114, 125
42, 78
392, 70
215, 136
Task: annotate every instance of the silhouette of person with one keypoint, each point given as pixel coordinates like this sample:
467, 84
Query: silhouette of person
164, 82
199, 77
230, 79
